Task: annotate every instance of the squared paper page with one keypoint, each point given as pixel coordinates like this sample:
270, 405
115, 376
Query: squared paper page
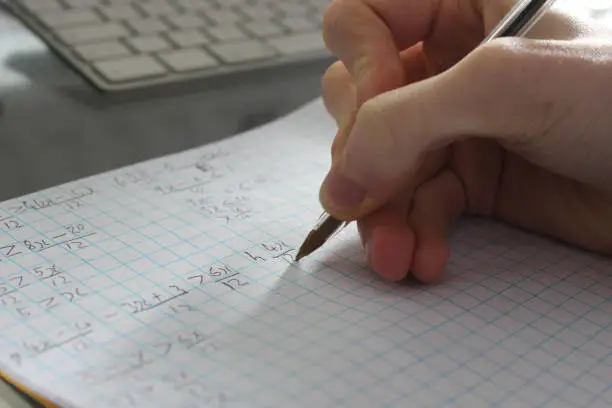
171, 283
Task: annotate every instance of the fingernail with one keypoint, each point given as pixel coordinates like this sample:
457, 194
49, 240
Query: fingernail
341, 192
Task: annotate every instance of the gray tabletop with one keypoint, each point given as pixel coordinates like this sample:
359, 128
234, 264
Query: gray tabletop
55, 128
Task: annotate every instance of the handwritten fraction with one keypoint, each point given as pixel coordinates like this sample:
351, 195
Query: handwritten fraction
71, 237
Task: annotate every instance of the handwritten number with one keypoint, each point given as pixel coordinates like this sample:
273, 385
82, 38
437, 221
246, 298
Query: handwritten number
12, 225
82, 326
234, 283
76, 228
61, 278
182, 308
217, 271
76, 245
9, 300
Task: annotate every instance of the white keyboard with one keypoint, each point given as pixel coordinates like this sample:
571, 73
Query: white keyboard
127, 44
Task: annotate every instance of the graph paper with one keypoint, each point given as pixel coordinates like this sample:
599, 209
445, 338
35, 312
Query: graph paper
171, 283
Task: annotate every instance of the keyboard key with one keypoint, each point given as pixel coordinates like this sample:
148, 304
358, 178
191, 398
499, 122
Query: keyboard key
196, 4
157, 8
292, 9
147, 44
188, 60
188, 38
125, 69
224, 16
299, 24
65, 18
263, 28
183, 21
82, 3
259, 12
92, 32
227, 32
148, 26
102, 50
37, 6
242, 51
298, 43
120, 12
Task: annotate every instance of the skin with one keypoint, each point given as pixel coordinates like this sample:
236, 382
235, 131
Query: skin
432, 127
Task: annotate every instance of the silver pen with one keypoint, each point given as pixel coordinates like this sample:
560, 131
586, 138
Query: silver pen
519, 20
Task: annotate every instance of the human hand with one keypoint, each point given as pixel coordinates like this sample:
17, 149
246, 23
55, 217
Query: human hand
430, 129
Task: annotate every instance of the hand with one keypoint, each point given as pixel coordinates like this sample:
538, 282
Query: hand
430, 128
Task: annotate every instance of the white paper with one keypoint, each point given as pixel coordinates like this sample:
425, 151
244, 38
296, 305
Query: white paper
171, 284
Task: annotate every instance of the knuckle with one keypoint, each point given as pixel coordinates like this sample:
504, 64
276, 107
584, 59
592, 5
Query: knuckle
334, 74
495, 55
339, 95
373, 116
333, 22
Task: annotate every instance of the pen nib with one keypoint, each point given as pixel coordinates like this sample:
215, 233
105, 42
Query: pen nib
301, 253
308, 247
318, 236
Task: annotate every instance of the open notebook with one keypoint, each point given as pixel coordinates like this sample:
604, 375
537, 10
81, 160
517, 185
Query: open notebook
171, 283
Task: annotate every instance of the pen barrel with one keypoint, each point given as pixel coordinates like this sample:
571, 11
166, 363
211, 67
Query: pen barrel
521, 18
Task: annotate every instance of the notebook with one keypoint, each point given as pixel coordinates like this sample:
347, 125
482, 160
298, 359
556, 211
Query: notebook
172, 283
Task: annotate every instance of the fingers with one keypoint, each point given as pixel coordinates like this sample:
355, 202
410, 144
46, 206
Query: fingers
367, 36
438, 204
387, 236
340, 91
532, 96
389, 240
398, 244
339, 94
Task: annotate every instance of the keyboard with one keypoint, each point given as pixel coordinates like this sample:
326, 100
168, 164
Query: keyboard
120, 45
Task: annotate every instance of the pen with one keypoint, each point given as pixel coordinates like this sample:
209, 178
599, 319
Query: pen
524, 15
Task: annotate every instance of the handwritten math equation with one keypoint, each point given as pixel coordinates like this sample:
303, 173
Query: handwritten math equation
73, 336
192, 184
175, 386
71, 200
70, 237
190, 340
61, 289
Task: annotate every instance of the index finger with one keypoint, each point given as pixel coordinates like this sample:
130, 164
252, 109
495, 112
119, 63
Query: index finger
368, 35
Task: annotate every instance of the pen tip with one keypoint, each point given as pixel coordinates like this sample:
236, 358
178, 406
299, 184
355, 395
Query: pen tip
301, 254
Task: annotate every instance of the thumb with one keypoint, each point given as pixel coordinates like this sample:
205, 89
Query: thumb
534, 97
